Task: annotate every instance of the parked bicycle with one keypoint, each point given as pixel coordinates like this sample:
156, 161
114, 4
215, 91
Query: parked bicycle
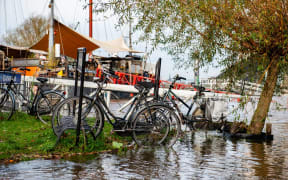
196, 111
42, 104
154, 124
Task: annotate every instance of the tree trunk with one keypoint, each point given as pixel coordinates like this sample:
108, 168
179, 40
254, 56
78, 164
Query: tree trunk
259, 116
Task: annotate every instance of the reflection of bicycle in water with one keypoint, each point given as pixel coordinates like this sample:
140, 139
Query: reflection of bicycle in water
148, 123
41, 105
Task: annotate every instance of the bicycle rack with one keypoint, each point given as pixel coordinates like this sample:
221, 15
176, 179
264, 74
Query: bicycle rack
67, 121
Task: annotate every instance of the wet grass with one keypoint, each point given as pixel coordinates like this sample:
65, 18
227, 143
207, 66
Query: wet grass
24, 137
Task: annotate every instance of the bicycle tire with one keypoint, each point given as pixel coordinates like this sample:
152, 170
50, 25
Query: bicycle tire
144, 133
7, 104
46, 104
92, 124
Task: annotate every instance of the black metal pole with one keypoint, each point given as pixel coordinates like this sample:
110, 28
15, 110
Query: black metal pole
81, 67
157, 78
76, 74
76, 81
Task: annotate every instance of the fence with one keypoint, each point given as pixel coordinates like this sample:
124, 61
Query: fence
232, 99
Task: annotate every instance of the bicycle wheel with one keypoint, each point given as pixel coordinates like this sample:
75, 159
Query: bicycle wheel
65, 116
46, 104
7, 104
156, 124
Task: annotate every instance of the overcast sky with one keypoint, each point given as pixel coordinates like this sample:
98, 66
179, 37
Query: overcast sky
70, 12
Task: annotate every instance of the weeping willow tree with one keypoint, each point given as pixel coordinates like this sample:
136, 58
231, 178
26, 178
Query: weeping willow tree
234, 33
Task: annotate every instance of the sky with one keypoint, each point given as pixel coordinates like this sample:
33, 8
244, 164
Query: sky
70, 12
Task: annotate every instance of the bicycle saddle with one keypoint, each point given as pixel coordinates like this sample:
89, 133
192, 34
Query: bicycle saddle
144, 85
42, 79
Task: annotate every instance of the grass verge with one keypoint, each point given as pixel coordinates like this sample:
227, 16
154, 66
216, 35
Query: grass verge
24, 137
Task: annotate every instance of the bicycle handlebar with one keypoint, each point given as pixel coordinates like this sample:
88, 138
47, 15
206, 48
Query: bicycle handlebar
177, 78
181, 78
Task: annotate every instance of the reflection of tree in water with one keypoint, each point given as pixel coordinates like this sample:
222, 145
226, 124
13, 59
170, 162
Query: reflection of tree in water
258, 151
270, 158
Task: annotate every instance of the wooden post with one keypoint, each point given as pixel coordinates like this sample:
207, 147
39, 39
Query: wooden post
268, 128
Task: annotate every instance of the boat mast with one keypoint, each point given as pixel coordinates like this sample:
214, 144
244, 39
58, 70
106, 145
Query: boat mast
130, 32
90, 23
51, 33
90, 19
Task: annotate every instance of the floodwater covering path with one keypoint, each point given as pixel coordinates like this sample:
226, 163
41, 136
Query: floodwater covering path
199, 155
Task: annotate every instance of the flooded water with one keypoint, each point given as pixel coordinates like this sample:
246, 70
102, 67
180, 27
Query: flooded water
198, 155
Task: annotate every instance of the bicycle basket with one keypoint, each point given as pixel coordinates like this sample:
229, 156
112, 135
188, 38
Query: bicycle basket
5, 77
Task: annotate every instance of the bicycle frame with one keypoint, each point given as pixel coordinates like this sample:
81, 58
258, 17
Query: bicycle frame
14, 90
11, 87
170, 93
107, 112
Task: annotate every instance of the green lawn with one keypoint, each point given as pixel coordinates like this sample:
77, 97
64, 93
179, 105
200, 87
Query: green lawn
24, 137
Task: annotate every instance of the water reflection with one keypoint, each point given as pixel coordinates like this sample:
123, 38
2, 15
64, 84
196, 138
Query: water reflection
198, 155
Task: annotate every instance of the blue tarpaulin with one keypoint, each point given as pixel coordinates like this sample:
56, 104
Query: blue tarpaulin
5, 77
